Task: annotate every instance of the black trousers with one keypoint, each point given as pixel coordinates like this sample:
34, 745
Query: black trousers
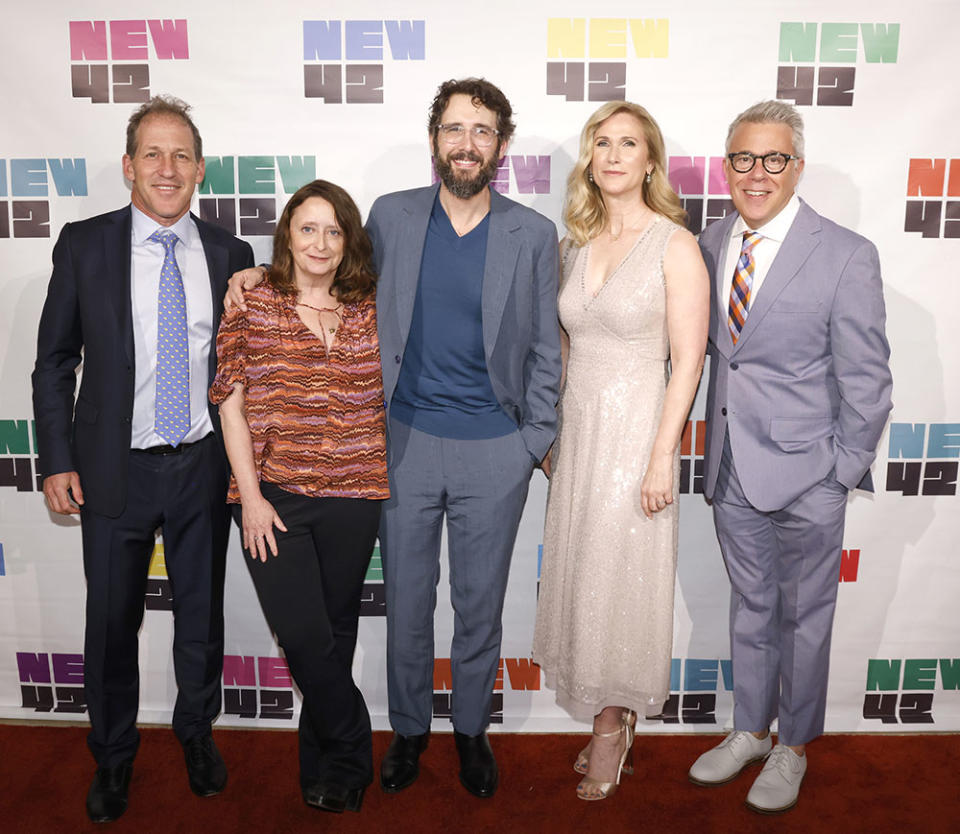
185, 495
310, 594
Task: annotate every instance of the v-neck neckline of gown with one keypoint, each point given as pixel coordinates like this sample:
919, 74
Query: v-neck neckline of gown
591, 297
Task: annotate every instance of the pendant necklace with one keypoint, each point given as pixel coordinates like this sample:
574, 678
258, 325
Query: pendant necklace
616, 237
335, 310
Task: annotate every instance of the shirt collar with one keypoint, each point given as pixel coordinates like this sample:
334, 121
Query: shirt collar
774, 229
144, 226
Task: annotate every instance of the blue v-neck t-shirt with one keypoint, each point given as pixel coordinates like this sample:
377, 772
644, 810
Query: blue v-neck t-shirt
444, 387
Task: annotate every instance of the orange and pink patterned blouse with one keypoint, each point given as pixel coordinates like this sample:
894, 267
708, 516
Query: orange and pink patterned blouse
316, 420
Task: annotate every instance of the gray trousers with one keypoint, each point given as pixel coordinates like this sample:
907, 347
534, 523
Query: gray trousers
480, 486
784, 567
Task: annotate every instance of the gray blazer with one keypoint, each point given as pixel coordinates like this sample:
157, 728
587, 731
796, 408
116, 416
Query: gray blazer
806, 389
521, 334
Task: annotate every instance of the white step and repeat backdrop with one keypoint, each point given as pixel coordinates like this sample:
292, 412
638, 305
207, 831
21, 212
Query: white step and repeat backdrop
287, 92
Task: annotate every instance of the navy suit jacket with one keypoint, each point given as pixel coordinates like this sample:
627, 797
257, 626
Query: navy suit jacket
87, 314
521, 334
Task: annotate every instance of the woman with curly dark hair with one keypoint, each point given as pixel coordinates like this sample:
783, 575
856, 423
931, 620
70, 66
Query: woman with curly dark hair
301, 402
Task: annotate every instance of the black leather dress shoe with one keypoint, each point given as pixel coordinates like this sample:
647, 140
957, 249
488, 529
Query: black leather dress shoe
107, 797
336, 798
401, 764
478, 767
205, 767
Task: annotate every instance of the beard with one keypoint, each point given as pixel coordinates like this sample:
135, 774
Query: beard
463, 185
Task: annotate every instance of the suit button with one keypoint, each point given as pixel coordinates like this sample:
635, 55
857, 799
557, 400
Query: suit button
733, 366
723, 411
397, 358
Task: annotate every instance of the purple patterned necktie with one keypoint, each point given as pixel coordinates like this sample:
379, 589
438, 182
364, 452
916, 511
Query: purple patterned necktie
172, 413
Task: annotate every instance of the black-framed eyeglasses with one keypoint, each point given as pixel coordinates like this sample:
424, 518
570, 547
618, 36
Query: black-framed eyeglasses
454, 134
773, 163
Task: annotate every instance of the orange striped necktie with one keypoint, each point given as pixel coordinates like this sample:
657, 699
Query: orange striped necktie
742, 284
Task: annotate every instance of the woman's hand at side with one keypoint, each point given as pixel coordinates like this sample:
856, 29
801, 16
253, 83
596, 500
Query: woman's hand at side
258, 518
656, 488
257, 515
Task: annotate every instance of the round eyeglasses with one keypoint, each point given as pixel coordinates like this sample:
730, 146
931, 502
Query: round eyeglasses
773, 163
483, 136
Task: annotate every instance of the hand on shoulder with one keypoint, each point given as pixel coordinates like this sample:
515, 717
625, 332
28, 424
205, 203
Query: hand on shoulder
245, 279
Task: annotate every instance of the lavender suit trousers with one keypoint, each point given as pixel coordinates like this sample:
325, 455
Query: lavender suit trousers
784, 568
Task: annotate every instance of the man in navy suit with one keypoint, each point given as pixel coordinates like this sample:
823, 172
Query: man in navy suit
136, 294
799, 393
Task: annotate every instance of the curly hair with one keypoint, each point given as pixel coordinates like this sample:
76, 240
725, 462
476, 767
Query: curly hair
482, 93
584, 212
355, 278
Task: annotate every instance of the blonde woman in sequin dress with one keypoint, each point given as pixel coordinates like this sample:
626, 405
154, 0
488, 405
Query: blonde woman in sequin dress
634, 294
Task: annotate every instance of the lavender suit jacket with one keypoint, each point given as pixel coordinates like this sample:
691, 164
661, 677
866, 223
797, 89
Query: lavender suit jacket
806, 389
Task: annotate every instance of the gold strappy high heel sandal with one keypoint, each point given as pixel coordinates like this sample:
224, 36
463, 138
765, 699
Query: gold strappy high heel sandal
607, 789
583, 758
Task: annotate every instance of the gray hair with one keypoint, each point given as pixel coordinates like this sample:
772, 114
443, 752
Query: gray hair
778, 112
163, 106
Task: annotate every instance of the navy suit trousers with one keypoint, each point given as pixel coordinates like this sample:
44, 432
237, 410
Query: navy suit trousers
184, 495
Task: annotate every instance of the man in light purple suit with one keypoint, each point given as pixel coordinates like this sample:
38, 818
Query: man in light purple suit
798, 396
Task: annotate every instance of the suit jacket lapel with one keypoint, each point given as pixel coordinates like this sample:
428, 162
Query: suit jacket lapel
499, 268
719, 332
218, 266
408, 256
117, 271
218, 271
802, 238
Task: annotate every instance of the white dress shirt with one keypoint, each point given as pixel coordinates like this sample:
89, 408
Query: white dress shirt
145, 264
773, 231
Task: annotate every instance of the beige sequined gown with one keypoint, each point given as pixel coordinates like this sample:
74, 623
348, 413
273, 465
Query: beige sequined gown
604, 630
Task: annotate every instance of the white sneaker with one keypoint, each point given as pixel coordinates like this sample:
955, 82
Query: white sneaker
725, 761
778, 785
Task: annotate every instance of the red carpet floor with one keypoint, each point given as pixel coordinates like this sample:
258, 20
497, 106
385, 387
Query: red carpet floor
856, 783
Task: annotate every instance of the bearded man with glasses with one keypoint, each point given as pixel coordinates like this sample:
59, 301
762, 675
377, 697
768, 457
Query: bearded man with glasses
798, 396
470, 346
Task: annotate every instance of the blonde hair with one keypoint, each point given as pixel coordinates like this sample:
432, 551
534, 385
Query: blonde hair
584, 212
